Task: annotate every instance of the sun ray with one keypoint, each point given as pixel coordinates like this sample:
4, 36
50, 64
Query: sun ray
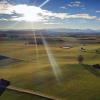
53, 63
36, 47
44, 3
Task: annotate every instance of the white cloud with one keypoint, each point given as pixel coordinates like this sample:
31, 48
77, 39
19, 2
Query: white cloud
68, 16
37, 14
76, 4
30, 13
5, 8
63, 7
3, 19
98, 11
98, 19
52, 23
82, 16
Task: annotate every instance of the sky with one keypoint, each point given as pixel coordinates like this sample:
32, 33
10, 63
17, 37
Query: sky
45, 14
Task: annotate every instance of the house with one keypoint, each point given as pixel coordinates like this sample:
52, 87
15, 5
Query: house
67, 46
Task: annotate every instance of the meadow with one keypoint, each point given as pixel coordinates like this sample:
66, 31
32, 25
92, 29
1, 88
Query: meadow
33, 71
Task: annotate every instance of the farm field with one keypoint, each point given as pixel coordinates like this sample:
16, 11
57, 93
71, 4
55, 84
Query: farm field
28, 67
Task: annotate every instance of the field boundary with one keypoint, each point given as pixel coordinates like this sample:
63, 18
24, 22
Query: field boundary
26, 91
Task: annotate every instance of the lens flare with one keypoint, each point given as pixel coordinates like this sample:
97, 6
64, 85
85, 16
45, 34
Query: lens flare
44, 3
52, 60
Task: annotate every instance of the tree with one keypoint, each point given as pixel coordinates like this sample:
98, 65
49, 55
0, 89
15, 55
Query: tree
80, 59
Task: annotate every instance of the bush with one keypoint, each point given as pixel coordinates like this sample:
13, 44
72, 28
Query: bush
80, 59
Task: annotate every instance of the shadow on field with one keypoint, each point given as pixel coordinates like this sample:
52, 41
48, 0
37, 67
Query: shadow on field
5, 61
91, 69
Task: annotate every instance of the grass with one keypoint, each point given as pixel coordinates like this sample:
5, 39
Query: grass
78, 82
11, 95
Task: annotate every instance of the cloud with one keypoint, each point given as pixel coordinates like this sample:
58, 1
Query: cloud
5, 7
63, 7
25, 12
98, 11
76, 4
70, 16
9, 16
53, 23
98, 19
82, 16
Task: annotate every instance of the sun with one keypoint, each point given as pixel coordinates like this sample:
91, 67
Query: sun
29, 13
31, 17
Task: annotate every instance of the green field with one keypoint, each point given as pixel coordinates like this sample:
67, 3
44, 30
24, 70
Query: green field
33, 71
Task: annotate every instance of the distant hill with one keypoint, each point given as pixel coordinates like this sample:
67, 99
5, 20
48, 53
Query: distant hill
26, 33
74, 30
